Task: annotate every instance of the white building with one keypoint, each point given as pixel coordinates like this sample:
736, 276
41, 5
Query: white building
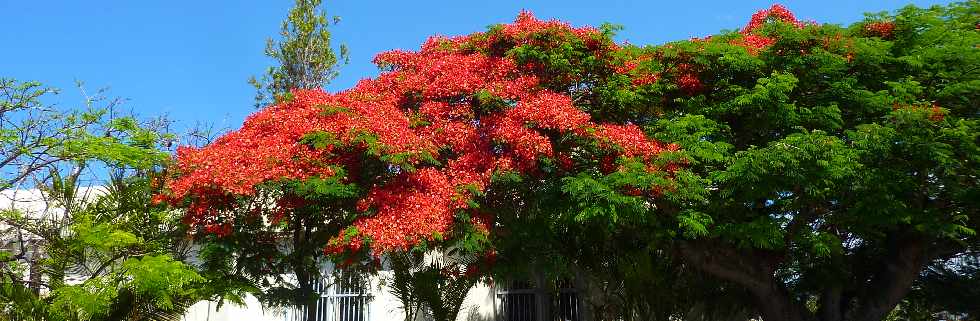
343, 300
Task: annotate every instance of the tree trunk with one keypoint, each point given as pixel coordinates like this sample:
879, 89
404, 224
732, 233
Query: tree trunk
303, 276
893, 282
831, 308
305, 290
35, 269
776, 304
753, 272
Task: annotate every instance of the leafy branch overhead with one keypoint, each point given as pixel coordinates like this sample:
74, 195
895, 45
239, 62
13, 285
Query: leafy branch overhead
304, 56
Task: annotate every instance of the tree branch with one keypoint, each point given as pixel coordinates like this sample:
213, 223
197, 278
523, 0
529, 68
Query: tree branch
890, 285
752, 270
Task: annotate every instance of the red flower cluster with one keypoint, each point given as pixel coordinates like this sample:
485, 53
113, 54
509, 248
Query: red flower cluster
685, 75
755, 42
454, 101
526, 27
688, 80
933, 112
936, 114
630, 141
220, 230
883, 29
631, 67
776, 12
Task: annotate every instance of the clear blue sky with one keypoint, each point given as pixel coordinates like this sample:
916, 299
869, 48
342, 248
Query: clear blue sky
191, 59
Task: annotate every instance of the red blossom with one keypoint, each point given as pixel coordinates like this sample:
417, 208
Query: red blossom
755, 43
883, 29
777, 12
565, 162
687, 79
646, 79
749, 38
936, 114
640, 77
933, 112
421, 107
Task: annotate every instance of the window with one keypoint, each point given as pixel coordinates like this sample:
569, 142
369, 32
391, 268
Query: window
525, 301
343, 297
518, 302
565, 306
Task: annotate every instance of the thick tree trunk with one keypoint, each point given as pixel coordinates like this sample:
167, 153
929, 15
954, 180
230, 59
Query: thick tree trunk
755, 273
303, 277
776, 304
888, 285
893, 282
306, 288
831, 308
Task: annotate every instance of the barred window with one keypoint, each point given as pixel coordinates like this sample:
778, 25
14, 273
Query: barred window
343, 297
525, 301
518, 301
565, 305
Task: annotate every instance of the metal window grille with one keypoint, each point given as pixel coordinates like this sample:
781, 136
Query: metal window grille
565, 306
518, 302
523, 301
345, 299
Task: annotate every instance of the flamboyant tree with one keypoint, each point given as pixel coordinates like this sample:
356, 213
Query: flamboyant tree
838, 162
304, 58
814, 165
845, 159
395, 161
415, 145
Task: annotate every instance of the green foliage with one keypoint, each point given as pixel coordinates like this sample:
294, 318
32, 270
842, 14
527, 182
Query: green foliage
304, 57
694, 224
36, 136
598, 198
100, 237
102, 252
698, 135
126, 269
87, 301
320, 140
18, 302
161, 279
431, 284
813, 164
126, 261
330, 187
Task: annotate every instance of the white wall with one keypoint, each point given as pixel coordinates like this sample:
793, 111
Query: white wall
478, 306
252, 311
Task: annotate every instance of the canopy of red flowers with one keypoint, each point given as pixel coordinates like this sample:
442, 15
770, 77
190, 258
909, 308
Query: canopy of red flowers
446, 117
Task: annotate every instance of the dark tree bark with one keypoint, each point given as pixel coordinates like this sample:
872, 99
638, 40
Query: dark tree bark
35, 270
871, 301
304, 277
831, 307
753, 271
893, 281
